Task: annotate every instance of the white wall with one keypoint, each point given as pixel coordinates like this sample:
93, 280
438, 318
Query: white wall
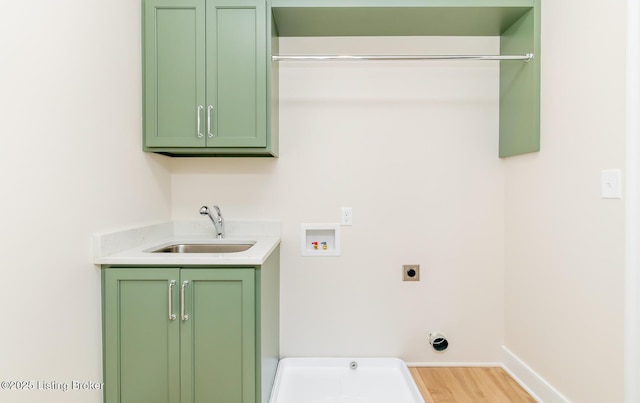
70, 166
412, 147
564, 244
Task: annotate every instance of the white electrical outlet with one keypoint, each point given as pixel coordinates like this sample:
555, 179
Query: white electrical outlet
346, 216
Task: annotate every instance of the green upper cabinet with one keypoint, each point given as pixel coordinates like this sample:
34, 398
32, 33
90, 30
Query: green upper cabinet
236, 73
205, 78
174, 73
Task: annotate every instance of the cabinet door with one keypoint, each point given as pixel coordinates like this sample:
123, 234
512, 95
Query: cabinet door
141, 342
236, 73
218, 338
174, 73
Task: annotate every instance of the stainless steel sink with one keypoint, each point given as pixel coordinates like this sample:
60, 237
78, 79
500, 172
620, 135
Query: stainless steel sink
217, 247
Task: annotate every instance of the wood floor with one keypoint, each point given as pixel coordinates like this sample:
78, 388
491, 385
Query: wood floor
466, 384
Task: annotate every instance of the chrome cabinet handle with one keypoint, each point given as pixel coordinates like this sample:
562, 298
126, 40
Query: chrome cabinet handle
182, 314
172, 316
200, 108
209, 109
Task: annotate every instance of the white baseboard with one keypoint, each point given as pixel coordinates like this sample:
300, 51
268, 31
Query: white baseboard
533, 383
454, 364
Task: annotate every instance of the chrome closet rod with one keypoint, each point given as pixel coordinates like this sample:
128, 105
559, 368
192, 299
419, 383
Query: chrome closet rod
281, 58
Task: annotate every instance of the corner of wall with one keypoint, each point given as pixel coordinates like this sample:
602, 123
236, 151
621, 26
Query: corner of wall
530, 380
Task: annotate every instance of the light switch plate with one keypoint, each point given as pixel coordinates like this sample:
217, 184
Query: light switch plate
611, 184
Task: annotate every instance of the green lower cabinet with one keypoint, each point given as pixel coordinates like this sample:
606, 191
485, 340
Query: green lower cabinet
141, 345
179, 335
217, 341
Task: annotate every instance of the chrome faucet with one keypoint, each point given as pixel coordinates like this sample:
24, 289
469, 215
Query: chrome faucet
217, 221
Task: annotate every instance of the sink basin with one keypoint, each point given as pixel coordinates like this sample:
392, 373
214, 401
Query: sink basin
218, 247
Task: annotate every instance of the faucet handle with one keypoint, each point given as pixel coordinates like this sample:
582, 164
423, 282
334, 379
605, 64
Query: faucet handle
217, 209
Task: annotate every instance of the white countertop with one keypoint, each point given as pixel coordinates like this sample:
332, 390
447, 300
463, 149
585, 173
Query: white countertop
128, 247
